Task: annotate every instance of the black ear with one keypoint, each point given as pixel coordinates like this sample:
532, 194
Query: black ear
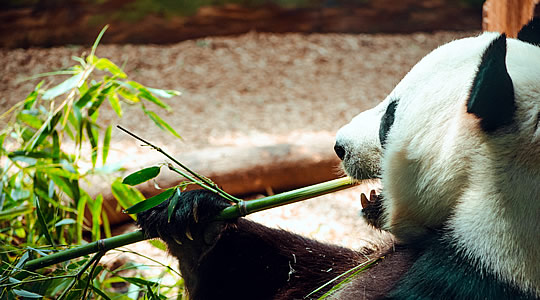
492, 94
530, 33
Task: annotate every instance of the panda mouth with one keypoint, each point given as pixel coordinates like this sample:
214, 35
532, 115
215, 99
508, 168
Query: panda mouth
360, 172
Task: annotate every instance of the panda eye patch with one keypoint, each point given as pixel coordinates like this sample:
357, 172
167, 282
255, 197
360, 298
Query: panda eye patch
387, 121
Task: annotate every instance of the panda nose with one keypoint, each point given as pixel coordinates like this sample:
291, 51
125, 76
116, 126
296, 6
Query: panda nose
340, 151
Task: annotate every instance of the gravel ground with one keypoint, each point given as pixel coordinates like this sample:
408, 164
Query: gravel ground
254, 89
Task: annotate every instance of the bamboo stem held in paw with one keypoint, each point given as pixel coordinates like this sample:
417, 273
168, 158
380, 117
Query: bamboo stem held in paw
232, 212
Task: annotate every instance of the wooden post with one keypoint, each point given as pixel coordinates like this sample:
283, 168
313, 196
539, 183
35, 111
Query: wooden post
507, 16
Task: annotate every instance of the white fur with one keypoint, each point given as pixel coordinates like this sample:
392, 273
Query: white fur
439, 168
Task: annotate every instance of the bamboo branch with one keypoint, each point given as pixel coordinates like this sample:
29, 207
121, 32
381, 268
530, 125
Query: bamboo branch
195, 174
238, 210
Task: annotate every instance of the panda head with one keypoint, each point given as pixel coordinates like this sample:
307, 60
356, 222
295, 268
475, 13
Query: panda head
456, 145
466, 111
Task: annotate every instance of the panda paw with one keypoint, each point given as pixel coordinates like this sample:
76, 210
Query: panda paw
372, 208
194, 211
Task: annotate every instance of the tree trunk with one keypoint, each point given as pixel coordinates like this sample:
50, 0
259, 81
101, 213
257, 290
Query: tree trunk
507, 16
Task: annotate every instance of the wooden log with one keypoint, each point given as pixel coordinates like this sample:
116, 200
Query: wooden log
507, 16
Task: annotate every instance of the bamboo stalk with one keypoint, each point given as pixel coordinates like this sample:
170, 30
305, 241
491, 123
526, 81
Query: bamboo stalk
284, 198
101, 245
241, 209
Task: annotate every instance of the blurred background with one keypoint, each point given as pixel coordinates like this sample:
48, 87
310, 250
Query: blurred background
46, 23
264, 85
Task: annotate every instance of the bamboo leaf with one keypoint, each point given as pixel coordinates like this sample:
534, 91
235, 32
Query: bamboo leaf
106, 144
32, 97
56, 147
146, 94
15, 212
50, 190
59, 172
106, 224
81, 205
59, 285
67, 221
164, 93
69, 187
21, 261
62, 184
161, 123
43, 223
158, 244
75, 117
26, 294
29, 117
63, 87
96, 42
88, 96
127, 94
79, 60
126, 195
93, 138
97, 103
2, 139
150, 202
100, 292
115, 104
139, 281
30, 161
45, 131
35, 154
151, 294
172, 204
80, 132
18, 194
96, 214
105, 64
142, 175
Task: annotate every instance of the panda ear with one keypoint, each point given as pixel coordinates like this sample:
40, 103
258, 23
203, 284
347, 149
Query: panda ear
530, 33
492, 93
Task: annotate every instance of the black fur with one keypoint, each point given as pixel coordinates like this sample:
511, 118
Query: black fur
492, 94
443, 272
242, 259
530, 33
387, 121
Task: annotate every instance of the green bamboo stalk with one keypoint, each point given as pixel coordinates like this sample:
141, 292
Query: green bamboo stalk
239, 210
284, 198
101, 245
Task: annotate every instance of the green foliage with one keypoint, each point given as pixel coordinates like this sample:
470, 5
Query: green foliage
48, 149
150, 202
142, 175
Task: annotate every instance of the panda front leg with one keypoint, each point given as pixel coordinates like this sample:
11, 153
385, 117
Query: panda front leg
241, 259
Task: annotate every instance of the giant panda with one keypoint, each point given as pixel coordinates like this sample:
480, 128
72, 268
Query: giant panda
456, 146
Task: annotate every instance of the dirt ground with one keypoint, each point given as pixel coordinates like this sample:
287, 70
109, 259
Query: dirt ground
254, 89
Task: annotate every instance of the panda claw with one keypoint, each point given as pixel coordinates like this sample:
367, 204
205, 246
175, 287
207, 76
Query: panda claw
179, 242
188, 234
364, 200
373, 197
195, 213
371, 208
